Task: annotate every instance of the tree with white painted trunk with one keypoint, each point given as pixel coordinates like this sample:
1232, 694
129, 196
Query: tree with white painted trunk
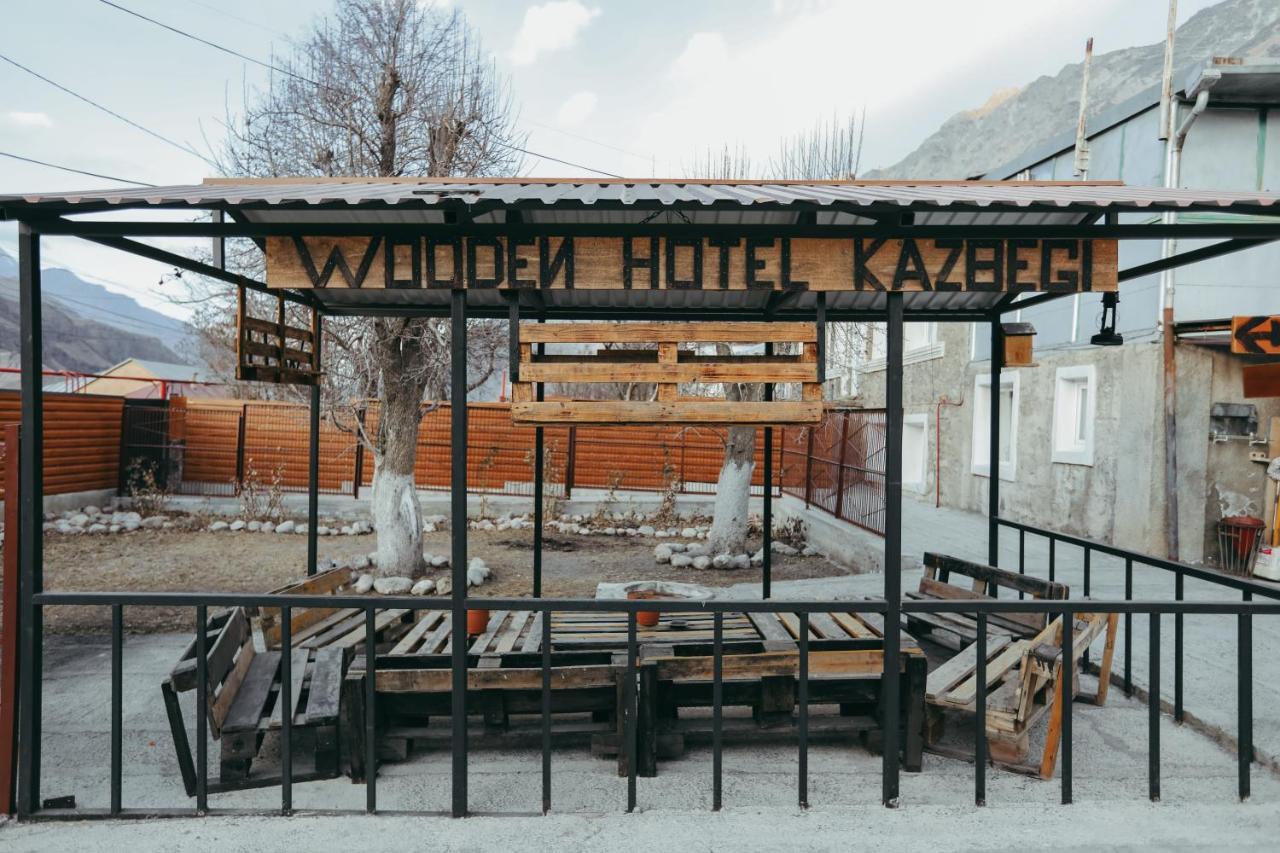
730, 519
384, 88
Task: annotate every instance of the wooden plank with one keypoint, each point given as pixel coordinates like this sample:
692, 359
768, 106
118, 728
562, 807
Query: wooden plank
251, 698
437, 639
1000, 577
772, 664
325, 693
509, 637
770, 627
230, 686
533, 639
609, 412
677, 333
997, 668
223, 644
410, 640
960, 667
854, 627
340, 628
826, 626
309, 635
441, 680
380, 622
297, 673
270, 327
481, 643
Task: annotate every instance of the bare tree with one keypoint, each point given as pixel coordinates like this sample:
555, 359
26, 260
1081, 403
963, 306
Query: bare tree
385, 88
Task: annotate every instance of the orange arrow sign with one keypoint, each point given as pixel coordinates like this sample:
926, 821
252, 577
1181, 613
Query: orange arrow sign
1258, 335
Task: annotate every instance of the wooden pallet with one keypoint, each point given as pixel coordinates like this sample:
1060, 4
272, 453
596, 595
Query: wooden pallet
667, 367
275, 351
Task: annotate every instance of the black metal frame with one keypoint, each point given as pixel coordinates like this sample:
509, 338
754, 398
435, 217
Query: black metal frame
33, 599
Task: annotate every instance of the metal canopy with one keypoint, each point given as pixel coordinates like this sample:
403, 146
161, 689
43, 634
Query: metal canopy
365, 206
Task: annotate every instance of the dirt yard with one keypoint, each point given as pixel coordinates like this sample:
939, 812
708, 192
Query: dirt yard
258, 562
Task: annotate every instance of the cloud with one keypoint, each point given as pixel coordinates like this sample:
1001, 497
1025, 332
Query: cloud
550, 27
705, 54
25, 119
576, 109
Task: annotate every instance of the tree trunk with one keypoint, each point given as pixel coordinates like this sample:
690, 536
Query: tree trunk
397, 516
728, 532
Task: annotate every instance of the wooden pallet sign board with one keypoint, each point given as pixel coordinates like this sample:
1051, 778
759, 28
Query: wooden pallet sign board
668, 368
1256, 335
273, 350
692, 263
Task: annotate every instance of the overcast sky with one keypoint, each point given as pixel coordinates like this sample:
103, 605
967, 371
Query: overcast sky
631, 88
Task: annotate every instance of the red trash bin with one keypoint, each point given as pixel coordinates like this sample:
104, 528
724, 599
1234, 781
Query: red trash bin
1239, 537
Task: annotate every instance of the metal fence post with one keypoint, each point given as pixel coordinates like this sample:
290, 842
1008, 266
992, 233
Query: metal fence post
808, 467
570, 461
840, 463
458, 534
892, 550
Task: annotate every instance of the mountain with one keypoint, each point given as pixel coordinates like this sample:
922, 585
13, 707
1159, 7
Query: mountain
973, 142
87, 328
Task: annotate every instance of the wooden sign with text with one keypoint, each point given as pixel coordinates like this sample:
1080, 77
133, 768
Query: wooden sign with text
692, 263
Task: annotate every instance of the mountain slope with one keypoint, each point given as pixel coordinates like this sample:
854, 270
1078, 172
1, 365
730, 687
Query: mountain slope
974, 141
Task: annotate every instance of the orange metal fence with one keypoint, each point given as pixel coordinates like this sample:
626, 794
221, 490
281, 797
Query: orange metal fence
81, 440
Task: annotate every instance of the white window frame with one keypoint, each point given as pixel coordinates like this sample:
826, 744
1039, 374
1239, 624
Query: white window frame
1067, 448
980, 432
920, 485
931, 348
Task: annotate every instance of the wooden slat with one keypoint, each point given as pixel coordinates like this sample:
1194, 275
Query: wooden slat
769, 627
410, 640
441, 680
964, 693
270, 327
608, 412
533, 639
325, 692
509, 637
309, 637
439, 638
827, 627
770, 664
481, 643
251, 698
380, 622
220, 706
854, 627
585, 369
640, 333
960, 667
297, 673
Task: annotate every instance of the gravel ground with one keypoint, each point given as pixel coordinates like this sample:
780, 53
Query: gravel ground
257, 562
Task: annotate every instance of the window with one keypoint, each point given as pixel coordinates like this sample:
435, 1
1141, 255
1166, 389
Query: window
915, 452
1008, 424
919, 343
1074, 408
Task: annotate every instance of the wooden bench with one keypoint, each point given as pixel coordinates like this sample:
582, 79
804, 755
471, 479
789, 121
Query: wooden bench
243, 703
1024, 663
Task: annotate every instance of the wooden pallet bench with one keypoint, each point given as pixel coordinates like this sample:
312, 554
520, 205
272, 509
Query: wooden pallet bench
243, 693
1024, 663
668, 367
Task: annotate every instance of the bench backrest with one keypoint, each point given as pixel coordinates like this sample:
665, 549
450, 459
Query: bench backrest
986, 582
228, 653
332, 582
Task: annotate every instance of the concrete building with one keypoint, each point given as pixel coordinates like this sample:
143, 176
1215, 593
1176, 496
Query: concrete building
1066, 463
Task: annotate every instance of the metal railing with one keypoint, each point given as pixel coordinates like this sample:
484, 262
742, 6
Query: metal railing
1244, 612
1247, 587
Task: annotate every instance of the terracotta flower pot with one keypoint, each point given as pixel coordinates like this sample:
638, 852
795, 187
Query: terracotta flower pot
645, 618
477, 621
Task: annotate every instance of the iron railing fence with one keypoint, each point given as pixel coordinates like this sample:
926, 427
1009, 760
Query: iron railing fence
1247, 588
1243, 611
839, 466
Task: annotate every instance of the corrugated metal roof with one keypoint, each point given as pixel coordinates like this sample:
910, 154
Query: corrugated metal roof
428, 193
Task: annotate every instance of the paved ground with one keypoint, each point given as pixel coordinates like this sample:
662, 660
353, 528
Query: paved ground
1198, 809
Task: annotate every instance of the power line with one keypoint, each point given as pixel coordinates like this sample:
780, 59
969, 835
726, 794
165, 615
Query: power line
553, 129
188, 149
70, 169
297, 76
213, 45
210, 7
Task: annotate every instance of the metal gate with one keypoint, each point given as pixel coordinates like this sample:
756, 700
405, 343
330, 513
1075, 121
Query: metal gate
147, 447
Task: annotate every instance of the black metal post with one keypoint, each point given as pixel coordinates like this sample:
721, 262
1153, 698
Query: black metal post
1244, 700
546, 711
1153, 709
717, 711
980, 700
1053, 561
30, 523
458, 535
1022, 557
1066, 683
371, 712
313, 477
993, 450
892, 551
820, 317
202, 706
117, 701
632, 711
766, 577
1177, 651
539, 473
1128, 628
286, 710
803, 701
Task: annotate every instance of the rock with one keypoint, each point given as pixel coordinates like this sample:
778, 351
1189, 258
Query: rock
810, 551
392, 586
702, 561
476, 563
477, 576
360, 563
301, 528
253, 526
646, 530
423, 587
740, 561
168, 525
115, 528
680, 561
99, 528
721, 561
784, 548
677, 547
92, 510
267, 527
428, 528
662, 553
689, 533
486, 525
364, 584
322, 530
610, 531
663, 534
78, 520
697, 549
129, 518
48, 527
156, 522
285, 527
444, 586
217, 526
757, 559
439, 561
